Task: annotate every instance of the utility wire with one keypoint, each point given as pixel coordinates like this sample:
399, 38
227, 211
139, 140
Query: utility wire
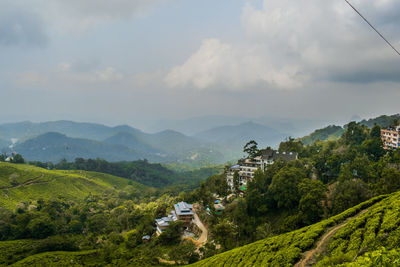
373, 27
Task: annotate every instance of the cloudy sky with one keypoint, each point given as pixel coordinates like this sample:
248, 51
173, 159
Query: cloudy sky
131, 61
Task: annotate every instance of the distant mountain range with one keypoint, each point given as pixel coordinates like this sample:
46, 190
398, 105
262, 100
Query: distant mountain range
195, 125
26, 130
53, 141
53, 147
231, 139
242, 133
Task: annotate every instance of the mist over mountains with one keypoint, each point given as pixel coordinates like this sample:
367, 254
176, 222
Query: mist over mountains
57, 140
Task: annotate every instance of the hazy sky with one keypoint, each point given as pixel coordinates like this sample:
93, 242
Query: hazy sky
127, 61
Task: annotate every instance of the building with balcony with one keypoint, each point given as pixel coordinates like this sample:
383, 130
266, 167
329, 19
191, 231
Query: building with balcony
184, 212
248, 166
391, 138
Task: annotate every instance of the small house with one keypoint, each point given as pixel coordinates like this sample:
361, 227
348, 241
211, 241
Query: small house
184, 212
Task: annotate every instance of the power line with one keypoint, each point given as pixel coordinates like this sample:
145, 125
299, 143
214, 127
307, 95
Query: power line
373, 27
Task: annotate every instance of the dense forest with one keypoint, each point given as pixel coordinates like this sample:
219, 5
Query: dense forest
141, 171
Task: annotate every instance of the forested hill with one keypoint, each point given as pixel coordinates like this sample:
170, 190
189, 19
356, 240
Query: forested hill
333, 132
365, 234
141, 171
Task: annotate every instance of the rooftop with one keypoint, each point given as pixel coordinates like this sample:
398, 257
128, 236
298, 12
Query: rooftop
164, 221
269, 154
183, 208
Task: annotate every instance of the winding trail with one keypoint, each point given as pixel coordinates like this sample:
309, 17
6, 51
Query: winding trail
204, 231
309, 255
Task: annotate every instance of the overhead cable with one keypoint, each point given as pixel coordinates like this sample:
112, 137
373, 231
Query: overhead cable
383, 37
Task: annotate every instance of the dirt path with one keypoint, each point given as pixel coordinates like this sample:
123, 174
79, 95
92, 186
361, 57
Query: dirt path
161, 260
204, 232
308, 255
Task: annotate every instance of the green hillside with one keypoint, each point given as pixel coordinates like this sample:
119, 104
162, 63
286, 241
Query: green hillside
19, 182
61, 258
383, 121
331, 132
372, 225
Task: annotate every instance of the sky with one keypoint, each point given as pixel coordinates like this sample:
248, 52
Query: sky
141, 61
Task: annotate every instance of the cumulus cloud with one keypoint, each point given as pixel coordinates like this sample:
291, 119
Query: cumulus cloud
287, 44
19, 26
232, 67
327, 38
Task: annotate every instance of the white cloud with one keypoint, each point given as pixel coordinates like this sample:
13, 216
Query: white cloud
232, 67
288, 43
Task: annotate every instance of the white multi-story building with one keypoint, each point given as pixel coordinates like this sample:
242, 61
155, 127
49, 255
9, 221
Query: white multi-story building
248, 166
391, 138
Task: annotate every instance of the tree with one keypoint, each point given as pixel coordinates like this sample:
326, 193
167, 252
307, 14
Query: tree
349, 193
41, 227
256, 197
394, 123
134, 238
172, 234
236, 181
375, 131
251, 148
284, 187
185, 253
291, 145
225, 233
389, 181
354, 134
373, 147
311, 203
17, 158
332, 165
264, 230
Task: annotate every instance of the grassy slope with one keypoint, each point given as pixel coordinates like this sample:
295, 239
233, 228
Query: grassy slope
12, 251
32, 183
61, 258
288, 248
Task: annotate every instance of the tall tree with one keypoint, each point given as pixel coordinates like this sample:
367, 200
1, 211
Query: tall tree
354, 134
284, 187
236, 181
312, 198
375, 131
251, 148
291, 145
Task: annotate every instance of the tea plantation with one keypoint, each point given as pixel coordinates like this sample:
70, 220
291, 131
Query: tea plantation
369, 229
20, 182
